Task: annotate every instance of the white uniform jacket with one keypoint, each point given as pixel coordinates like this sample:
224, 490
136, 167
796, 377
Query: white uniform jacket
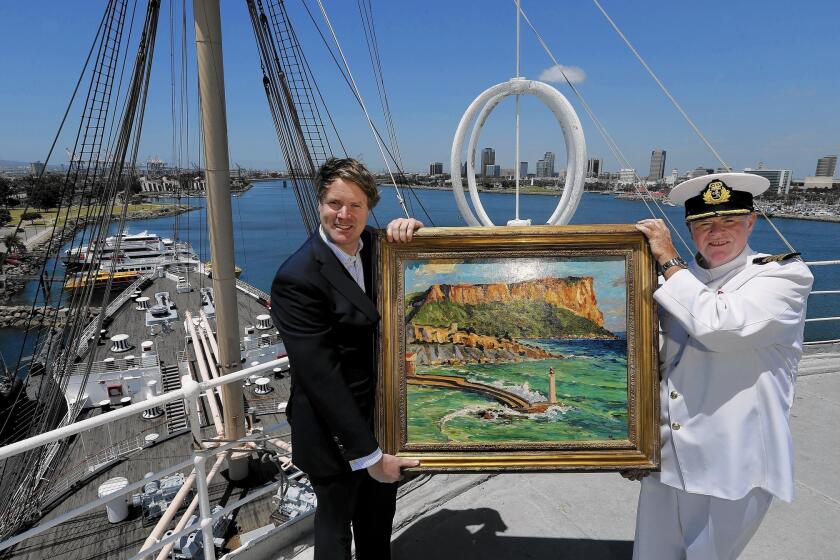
730, 348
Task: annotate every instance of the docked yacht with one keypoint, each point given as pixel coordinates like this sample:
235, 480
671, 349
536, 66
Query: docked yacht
126, 256
143, 247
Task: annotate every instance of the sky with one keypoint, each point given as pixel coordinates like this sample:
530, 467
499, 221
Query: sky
760, 79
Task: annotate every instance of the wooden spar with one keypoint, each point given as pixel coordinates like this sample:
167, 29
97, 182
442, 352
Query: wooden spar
208, 46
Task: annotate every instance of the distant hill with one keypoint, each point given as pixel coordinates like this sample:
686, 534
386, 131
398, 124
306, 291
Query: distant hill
545, 308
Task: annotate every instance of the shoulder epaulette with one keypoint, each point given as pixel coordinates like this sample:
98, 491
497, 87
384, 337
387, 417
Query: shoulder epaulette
775, 258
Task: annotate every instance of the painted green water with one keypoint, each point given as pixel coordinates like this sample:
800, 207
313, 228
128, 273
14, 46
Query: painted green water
591, 386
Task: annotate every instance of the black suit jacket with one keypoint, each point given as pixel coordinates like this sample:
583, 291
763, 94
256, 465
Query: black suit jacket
328, 325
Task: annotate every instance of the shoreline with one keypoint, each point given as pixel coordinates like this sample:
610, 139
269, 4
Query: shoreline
784, 216
17, 275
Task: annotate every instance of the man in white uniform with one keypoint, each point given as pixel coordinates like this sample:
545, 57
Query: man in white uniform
732, 323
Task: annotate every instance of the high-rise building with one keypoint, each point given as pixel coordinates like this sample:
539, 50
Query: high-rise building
826, 166
594, 166
523, 169
657, 165
545, 166
436, 168
627, 176
36, 168
492, 170
488, 157
779, 178
699, 171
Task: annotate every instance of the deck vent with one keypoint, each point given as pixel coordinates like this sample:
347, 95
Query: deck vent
151, 391
142, 303
109, 364
264, 322
263, 386
119, 343
117, 508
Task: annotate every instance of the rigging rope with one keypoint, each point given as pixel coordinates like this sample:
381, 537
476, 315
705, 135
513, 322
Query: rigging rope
59, 351
366, 13
611, 144
364, 108
400, 176
681, 110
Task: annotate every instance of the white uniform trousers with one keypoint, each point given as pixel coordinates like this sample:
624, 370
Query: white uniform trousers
672, 524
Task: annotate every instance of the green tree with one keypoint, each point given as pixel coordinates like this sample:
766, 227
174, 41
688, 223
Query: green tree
5, 216
13, 243
5, 188
44, 192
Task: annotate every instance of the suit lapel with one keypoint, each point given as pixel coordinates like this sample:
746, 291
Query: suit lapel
340, 279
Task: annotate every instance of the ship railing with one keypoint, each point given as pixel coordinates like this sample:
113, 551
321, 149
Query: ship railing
252, 291
69, 476
241, 285
190, 391
823, 293
113, 307
257, 341
119, 364
267, 405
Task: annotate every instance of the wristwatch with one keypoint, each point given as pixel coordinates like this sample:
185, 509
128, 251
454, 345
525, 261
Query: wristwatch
676, 261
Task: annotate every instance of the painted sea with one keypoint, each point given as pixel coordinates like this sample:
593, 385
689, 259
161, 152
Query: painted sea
591, 385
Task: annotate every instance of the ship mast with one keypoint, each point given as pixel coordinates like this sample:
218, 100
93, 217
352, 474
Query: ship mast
208, 46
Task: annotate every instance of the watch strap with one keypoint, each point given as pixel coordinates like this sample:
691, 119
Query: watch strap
676, 261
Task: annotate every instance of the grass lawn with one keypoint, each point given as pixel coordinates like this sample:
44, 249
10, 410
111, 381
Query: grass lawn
48, 216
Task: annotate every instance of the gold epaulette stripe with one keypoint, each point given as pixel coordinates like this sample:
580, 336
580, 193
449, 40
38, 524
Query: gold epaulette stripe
774, 258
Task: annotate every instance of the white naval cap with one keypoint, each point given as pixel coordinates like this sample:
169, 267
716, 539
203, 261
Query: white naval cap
718, 194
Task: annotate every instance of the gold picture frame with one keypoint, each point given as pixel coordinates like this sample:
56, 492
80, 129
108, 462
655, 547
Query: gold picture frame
475, 321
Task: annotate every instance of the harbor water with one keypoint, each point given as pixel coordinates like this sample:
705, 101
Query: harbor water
268, 229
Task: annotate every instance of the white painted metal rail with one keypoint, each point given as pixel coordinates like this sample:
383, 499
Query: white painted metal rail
823, 293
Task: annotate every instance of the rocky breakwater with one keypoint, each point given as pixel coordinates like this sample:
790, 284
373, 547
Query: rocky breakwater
18, 316
451, 346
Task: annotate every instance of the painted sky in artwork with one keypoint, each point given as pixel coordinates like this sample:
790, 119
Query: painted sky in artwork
608, 273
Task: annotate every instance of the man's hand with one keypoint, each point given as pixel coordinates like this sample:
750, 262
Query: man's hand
659, 238
402, 230
388, 467
634, 474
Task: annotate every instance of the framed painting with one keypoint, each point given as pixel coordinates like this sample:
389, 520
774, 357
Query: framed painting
519, 349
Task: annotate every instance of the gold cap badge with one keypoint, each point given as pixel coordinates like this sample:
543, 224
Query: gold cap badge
716, 193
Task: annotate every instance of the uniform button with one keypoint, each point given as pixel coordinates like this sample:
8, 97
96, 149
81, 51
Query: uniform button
676, 426
674, 394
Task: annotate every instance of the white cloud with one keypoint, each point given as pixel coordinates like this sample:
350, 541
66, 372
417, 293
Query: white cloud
555, 73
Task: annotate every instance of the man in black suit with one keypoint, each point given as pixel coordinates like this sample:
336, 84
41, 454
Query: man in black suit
322, 303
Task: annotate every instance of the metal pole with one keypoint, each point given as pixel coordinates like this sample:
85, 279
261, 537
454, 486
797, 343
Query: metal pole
208, 46
518, 74
204, 507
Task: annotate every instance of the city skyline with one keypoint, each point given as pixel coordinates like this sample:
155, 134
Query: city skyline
731, 88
